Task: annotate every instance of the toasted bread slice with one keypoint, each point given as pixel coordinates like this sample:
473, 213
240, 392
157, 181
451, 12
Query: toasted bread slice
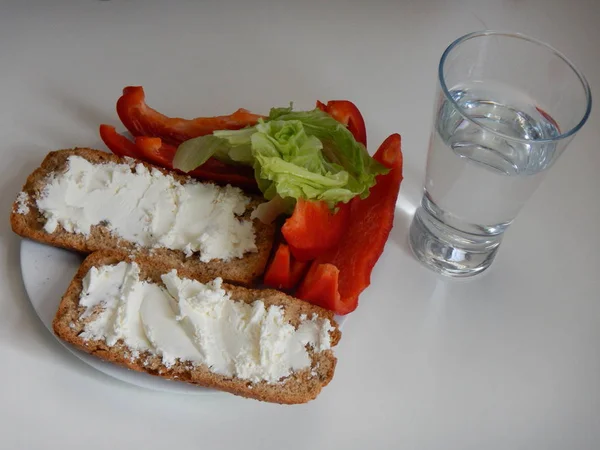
27, 221
300, 387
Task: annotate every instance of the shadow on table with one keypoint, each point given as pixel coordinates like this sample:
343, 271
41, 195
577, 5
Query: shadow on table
408, 199
399, 234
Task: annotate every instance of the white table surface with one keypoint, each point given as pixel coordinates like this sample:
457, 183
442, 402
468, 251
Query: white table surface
510, 360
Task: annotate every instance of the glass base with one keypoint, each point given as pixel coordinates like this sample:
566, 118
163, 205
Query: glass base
448, 251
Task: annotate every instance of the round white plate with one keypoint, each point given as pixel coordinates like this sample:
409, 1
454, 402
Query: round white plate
47, 272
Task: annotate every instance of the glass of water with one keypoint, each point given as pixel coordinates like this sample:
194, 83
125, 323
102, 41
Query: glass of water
507, 106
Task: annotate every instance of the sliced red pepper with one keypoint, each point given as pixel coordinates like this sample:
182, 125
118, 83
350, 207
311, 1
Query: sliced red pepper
371, 221
141, 120
117, 143
297, 271
346, 112
215, 170
278, 274
284, 272
154, 151
320, 287
548, 117
313, 228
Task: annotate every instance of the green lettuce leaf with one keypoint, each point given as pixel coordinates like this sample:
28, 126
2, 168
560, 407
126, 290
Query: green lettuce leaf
228, 146
290, 163
303, 154
267, 212
195, 152
339, 146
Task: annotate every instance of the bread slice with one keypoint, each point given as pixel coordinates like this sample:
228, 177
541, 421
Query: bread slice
27, 221
300, 387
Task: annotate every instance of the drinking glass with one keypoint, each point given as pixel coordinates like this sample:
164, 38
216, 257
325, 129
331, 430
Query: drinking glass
507, 106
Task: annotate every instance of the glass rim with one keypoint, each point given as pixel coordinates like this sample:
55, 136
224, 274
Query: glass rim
578, 73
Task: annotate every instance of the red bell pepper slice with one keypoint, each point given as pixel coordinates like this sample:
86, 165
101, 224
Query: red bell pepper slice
284, 272
297, 271
154, 151
313, 228
548, 117
215, 170
336, 279
348, 114
141, 120
371, 221
320, 287
278, 274
117, 143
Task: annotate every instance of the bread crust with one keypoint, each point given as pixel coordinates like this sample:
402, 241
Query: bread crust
300, 387
238, 270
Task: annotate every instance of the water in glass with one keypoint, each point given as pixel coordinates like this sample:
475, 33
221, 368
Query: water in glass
483, 164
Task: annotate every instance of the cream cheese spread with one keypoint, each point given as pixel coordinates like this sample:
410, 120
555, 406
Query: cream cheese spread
148, 208
189, 321
22, 200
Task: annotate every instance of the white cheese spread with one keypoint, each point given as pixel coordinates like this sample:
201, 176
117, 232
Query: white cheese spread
148, 208
22, 200
197, 323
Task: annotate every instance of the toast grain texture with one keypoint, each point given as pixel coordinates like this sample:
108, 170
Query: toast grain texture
300, 387
30, 225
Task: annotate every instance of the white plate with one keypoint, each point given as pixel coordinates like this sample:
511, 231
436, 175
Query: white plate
47, 272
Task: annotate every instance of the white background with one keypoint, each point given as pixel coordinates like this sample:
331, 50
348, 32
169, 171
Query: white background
510, 360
